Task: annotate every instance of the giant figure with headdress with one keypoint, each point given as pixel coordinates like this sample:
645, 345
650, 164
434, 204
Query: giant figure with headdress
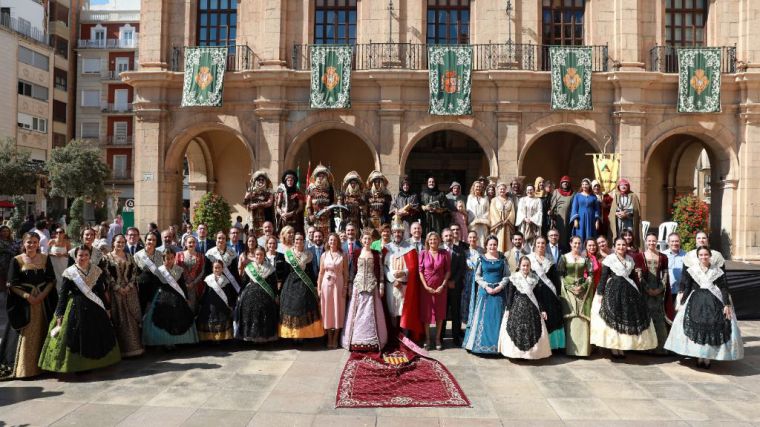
259, 200
289, 202
378, 199
353, 199
320, 195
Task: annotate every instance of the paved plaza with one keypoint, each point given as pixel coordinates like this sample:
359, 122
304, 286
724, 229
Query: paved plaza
238, 385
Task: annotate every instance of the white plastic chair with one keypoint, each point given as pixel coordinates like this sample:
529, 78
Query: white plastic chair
644, 229
664, 231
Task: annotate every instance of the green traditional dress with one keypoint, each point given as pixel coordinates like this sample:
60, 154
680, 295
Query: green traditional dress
576, 309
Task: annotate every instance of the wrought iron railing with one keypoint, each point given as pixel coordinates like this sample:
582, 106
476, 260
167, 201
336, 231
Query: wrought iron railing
23, 28
664, 59
413, 56
239, 57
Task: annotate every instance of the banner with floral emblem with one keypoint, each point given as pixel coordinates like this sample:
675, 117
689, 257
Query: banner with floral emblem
204, 76
571, 77
699, 80
330, 76
450, 79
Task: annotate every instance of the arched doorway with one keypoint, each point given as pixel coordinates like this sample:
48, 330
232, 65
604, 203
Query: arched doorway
448, 156
341, 151
557, 154
683, 164
215, 161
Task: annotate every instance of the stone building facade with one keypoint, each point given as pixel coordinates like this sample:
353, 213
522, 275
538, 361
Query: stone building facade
265, 121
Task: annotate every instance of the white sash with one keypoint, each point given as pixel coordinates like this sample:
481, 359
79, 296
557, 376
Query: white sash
621, 269
147, 262
525, 285
211, 282
541, 268
75, 275
170, 280
706, 279
214, 253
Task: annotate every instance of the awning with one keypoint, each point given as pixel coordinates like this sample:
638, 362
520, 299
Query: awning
5, 204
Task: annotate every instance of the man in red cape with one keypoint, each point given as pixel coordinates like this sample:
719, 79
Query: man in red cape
410, 315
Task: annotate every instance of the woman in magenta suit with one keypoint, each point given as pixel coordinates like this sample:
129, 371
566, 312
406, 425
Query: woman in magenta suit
435, 263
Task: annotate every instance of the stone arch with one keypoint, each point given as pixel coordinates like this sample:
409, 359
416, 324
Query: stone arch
310, 130
547, 125
178, 145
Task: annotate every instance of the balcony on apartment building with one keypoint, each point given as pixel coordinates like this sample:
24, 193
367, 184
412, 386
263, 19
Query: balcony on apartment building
664, 59
112, 75
125, 43
116, 108
23, 28
104, 16
118, 141
120, 177
239, 57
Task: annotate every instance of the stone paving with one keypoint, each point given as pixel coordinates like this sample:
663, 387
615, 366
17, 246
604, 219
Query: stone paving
278, 385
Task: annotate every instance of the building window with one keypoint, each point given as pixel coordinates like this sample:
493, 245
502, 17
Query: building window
59, 111
217, 22
335, 22
685, 22
90, 130
90, 65
59, 12
448, 21
90, 98
120, 166
59, 140
30, 89
35, 59
61, 78
60, 45
29, 122
563, 22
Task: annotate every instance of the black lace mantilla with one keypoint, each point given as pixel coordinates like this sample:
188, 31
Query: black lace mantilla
524, 323
704, 322
624, 309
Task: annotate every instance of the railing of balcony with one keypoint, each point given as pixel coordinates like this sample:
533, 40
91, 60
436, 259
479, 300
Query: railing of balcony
23, 28
119, 140
413, 56
239, 57
664, 59
116, 108
108, 43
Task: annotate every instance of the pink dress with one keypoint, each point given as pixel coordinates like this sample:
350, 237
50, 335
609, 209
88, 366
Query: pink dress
433, 307
332, 299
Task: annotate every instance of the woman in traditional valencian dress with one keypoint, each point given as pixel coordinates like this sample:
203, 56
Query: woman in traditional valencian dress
277, 260
88, 239
546, 270
257, 311
32, 299
365, 322
619, 316
577, 290
523, 333
214, 321
656, 285
594, 258
478, 212
585, 213
705, 326
502, 216
299, 302
229, 258
169, 320
81, 336
121, 279
491, 276
529, 216
147, 261
333, 289
193, 264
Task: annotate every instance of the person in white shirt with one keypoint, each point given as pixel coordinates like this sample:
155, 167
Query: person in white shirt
415, 241
40, 227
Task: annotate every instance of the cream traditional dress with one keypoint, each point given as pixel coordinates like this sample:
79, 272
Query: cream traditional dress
477, 216
529, 208
502, 216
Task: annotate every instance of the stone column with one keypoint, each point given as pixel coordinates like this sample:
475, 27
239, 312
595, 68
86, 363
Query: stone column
626, 48
390, 146
746, 216
272, 28
508, 143
156, 197
630, 145
154, 29
271, 142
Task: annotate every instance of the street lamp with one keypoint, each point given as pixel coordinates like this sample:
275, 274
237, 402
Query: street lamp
390, 21
508, 9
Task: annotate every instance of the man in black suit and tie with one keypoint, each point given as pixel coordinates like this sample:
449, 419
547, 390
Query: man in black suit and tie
133, 241
553, 248
235, 243
204, 243
458, 252
317, 248
351, 248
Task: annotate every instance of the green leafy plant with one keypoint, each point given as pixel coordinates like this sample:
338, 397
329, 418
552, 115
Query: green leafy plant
76, 219
213, 211
17, 218
18, 174
692, 215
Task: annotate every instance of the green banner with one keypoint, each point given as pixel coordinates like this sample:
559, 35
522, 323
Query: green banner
571, 77
450, 78
204, 76
699, 80
330, 76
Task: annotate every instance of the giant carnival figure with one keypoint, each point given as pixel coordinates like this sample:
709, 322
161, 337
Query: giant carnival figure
289, 203
378, 200
320, 195
259, 200
353, 199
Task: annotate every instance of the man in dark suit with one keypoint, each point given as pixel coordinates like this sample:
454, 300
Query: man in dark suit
133, 241
351, 248
554, 247
516, 252
204, 243
317, 248
235, 243
458, 252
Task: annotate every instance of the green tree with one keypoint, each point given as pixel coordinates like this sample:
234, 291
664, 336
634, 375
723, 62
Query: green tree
18, 174
17, 218
76, 170
76, 219
213, 211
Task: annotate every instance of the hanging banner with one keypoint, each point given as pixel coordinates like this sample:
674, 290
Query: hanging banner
571, 77
204, 76
330, 76
450, 78
607, 170
699, 80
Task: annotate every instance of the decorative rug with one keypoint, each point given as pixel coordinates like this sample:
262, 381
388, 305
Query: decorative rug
400, 377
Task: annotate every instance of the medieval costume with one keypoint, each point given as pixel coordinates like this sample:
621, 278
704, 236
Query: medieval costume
121, 281
547, 219
482, 335
353, 199
378, 200
257, 312
585, 209
562, 200
299, 302
576, 307
502, 217
619, 315
433, 202
169, 319
605, 202
365, 322
396, 273
469, 290
259, 200
320, 195
625, 203
27, 323
546, 270
700, 328
84, 339
477, 213
523, 332
405, 205
214, 321
289, 202
656, 278
452, 199
529, 219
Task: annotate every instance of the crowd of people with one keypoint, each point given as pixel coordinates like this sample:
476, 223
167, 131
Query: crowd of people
521, 275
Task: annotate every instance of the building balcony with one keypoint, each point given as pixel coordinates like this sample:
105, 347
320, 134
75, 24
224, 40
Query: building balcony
239, 58
23, 29
664, 59
108, 43
486, 57
120, 177
103, 16
112, 108
111, 75
115, 141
